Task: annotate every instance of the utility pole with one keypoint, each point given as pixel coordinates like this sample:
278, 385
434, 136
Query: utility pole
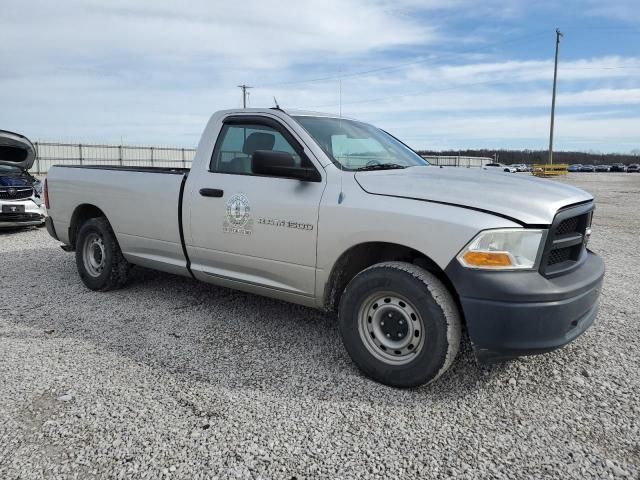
244, 94
553, 98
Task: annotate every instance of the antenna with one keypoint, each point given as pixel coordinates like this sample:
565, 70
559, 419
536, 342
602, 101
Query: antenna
275, 100
340, 87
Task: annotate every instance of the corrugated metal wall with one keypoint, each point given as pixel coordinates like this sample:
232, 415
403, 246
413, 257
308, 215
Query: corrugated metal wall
458, 161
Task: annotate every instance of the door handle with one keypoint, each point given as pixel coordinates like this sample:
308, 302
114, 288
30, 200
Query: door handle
211, 192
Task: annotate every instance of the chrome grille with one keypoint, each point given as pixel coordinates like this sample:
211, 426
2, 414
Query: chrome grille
15, 193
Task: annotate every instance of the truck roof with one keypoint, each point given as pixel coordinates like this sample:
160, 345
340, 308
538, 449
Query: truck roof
289, 112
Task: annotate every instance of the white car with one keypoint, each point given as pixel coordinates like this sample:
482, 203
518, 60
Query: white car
499, 167
20, 202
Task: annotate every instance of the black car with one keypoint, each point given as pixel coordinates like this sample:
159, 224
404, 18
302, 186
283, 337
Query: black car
618, 167
633, 168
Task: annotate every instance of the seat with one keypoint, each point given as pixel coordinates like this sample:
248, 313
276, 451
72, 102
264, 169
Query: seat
255, 141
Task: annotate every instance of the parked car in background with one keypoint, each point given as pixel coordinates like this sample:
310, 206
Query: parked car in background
618, 167
587, 168
602, 168
499, 167
520, 167
20, 202
576, 167
633, 168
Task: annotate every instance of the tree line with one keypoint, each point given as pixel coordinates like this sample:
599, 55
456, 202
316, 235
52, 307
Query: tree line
540, 156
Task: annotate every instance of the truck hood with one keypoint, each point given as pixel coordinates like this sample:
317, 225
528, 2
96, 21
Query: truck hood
17, 150
526, 199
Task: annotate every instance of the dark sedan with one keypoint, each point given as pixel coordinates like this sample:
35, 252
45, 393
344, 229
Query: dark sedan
618, 167
633, 168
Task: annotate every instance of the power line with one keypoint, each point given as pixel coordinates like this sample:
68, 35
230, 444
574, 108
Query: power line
403, 65
447, 89
438, 56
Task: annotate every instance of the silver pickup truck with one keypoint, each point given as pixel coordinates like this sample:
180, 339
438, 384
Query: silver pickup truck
339, 215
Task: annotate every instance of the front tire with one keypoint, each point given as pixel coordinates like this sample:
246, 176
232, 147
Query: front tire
99, 259
400, 324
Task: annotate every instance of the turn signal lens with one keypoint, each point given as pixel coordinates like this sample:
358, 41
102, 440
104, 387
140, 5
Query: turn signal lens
46, 194
487, 259
503, 249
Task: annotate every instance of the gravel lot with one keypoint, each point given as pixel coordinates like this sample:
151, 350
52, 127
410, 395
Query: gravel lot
169, 378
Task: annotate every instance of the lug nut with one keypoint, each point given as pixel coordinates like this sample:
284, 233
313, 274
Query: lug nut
399, 334
388, 335
382, 323
390, 315
401, 322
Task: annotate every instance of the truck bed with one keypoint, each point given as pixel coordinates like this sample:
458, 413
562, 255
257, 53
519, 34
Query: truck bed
143, 205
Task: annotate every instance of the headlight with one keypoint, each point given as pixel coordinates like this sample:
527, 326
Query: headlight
506, 249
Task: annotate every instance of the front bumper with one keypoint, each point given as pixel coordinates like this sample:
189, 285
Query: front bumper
33, 215
510, 314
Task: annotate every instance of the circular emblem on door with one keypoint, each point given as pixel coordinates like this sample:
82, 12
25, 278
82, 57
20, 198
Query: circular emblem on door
238, 210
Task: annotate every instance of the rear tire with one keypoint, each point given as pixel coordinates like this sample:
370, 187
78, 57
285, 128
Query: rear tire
99, 259
400, 324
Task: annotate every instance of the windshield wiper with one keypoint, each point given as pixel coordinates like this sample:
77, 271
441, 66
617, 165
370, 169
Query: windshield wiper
381, 166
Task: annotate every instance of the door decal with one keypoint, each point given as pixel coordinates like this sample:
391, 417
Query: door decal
238, 215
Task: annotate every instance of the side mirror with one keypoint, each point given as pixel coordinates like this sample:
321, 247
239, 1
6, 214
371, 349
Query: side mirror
281, 164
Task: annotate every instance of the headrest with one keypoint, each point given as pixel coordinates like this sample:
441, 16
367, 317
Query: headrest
258, 141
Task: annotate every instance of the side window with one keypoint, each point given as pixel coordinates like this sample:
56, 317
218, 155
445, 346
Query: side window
238, 142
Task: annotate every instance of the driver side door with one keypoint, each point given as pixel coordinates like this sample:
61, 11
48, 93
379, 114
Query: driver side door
251, 231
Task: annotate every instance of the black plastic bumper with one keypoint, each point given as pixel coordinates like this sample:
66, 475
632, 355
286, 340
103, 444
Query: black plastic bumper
48, 222
510, 314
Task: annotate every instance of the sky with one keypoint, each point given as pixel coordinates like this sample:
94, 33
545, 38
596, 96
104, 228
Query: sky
438, 74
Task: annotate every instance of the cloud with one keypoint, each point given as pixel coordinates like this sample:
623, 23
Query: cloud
252, 34
622, 10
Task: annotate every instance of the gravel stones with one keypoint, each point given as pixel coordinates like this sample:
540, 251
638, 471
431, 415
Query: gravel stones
149, 366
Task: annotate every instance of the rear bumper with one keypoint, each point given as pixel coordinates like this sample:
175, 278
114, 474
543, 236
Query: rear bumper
50, 227
510, 314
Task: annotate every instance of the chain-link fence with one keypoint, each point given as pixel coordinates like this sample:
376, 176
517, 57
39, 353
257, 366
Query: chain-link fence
458, 161
52, 153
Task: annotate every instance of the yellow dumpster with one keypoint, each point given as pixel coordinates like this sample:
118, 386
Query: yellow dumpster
549, 169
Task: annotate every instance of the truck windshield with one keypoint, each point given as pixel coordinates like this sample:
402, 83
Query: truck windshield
359, 146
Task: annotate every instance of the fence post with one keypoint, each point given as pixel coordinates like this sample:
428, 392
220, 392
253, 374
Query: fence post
184, 162
37, 158
120, 154
152, 156
80, 152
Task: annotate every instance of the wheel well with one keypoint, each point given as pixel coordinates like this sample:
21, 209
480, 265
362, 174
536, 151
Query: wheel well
81, 214
364, 255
